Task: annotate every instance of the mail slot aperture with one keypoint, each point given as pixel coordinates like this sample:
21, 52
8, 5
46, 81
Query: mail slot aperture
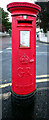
24, 22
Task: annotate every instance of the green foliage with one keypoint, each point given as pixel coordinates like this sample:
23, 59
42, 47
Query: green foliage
44, 16
5, 20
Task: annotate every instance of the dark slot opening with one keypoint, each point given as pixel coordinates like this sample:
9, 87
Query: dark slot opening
23, 21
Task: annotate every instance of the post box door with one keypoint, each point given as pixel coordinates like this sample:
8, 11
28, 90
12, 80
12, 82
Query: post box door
24, 69
26, 56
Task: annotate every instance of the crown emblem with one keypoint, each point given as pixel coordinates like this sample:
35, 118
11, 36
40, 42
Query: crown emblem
24, 59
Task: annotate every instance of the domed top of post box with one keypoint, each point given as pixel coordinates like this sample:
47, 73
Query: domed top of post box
17, 8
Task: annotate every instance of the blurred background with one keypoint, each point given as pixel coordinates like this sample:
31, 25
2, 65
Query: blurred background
42, 60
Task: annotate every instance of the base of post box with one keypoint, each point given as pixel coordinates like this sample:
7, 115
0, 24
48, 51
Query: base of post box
23, 99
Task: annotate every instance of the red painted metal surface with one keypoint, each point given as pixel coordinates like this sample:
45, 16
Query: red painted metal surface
23, 57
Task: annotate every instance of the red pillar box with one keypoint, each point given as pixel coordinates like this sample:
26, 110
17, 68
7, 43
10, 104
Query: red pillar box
23, 48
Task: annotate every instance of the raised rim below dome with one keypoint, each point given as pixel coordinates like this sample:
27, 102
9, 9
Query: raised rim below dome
23, 4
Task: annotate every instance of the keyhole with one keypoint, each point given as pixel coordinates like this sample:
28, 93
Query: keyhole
33, 55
